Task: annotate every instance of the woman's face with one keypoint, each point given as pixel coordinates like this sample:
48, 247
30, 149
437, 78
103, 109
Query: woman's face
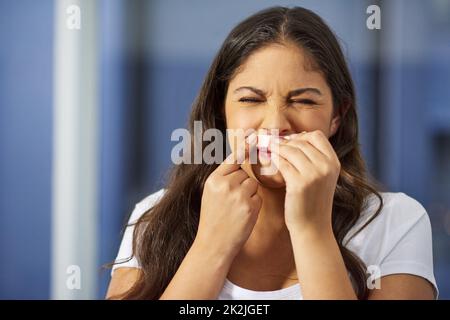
276, 88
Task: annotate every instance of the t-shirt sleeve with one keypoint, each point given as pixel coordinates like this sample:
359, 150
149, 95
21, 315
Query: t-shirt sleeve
408, 248
125, 256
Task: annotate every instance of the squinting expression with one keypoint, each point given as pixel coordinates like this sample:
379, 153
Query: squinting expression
276, 88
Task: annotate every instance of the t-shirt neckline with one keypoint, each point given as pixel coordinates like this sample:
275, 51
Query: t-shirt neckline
291, 291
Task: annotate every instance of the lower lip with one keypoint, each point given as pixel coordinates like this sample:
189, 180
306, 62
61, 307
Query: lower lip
264, 153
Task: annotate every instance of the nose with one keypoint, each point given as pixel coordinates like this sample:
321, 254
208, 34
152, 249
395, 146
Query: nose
276, 118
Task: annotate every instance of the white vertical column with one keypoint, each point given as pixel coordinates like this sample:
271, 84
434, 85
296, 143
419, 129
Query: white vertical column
75, 152
391, 102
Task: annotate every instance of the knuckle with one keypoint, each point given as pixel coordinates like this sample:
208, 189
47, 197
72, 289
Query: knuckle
324, 170
210, 181
219, 184
338, 165
334, 167
246, 207
240, 197
226, 186
317, 133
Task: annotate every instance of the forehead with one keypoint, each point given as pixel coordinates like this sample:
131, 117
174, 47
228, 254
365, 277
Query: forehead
280, 66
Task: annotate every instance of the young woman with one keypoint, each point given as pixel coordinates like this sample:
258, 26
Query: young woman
316, 228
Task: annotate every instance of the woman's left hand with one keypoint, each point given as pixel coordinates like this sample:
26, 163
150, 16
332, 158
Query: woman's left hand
310, 168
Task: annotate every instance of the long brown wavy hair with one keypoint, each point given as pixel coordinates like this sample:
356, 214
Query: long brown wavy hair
165, 233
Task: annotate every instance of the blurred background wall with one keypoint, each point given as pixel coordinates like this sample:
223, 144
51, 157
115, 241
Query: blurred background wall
151, 59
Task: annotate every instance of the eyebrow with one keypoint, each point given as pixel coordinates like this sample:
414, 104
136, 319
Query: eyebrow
253, 89
298, 92
291, 93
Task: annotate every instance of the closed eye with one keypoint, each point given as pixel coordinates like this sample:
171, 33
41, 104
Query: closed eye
304, 101
299, 101
250, 100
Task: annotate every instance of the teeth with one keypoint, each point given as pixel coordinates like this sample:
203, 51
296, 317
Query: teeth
263, 140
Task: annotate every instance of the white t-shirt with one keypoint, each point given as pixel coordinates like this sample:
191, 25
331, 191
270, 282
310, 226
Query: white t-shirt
397, 241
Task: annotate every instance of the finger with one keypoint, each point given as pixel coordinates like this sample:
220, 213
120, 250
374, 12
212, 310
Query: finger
250, 186
314, 155
229, 165
294, 155
287, 170
237, 177
320, 142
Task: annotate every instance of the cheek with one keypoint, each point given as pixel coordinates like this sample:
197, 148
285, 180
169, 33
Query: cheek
240, 118
311, 120
300, 120
236, 119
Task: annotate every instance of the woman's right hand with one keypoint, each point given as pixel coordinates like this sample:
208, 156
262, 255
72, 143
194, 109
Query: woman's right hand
229, 209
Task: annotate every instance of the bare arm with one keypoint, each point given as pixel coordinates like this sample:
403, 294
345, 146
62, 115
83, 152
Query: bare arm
310, 167
322, 271
230, 207
403, 287
323, 275
122, 280
200, 276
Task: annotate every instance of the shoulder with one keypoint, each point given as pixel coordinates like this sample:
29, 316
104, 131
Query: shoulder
398, 211
125, 256
402, 222
396, 202
145, 204
401, 205
398, 240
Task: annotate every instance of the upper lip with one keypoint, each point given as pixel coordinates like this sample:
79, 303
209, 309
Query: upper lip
264, 149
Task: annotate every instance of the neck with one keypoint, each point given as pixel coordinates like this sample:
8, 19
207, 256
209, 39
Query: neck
271, 215
268, 249
270, 231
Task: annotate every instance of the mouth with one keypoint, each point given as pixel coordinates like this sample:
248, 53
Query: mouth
264, 152
262, 146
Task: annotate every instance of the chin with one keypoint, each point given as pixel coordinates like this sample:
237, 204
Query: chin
273, 181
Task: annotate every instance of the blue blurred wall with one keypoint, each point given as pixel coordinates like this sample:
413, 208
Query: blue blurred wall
26, 47
153, 58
